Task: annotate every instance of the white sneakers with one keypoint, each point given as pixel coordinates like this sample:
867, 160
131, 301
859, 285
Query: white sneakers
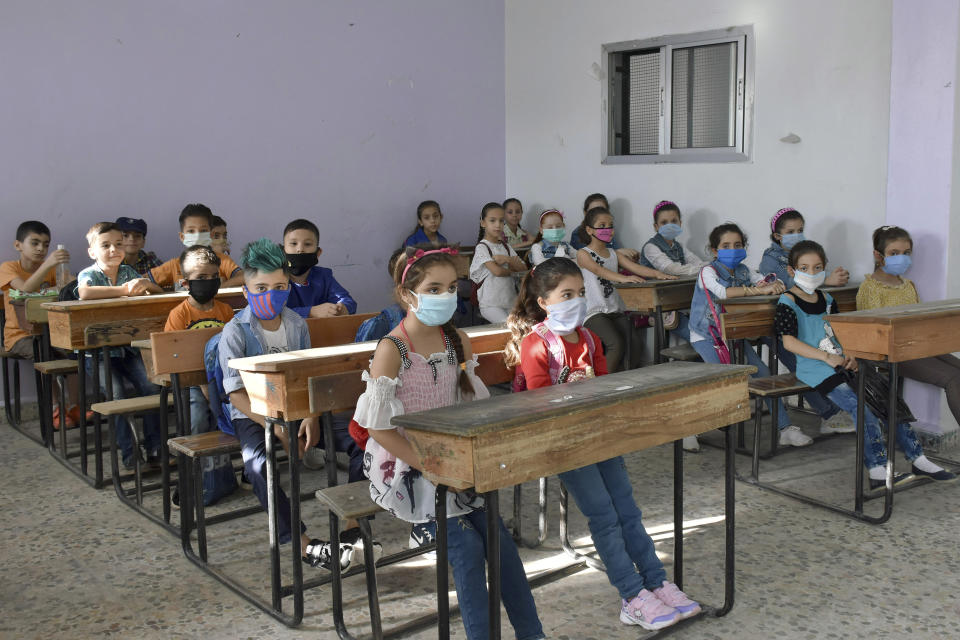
314, 458
690, 443
840, 422
792, 436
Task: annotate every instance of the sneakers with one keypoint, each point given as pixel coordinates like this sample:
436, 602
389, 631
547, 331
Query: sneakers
941, 476
314, 458
691, 444
840, 422
793, 437
67, 418
898, 479
421, 535
670, 595
648, 611
351, 546
318, 553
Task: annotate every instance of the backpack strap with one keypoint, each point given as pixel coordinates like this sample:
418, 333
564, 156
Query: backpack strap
251, 346
401, 347
713, 309
591, 345
558, 373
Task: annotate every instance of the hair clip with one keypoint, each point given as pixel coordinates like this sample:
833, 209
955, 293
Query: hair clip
420, 253
463, 366
776, 216
661, 205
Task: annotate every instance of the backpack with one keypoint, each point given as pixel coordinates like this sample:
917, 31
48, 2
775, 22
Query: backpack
218, 398
558, 374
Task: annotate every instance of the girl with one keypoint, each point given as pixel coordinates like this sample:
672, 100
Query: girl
662, 251
551, 347
802, 322
605, 307
427, 230
513, 234
493, 266
549, 242
726, 278
580, 238
886, 287
425, 363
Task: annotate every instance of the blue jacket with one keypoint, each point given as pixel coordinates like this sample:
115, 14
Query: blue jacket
320, 287
775, 260
381, 324
419, 237
701, 317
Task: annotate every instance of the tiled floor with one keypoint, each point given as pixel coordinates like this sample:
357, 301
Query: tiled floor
75, 563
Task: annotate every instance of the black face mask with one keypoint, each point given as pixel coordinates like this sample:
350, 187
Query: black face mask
300, 263
203, 291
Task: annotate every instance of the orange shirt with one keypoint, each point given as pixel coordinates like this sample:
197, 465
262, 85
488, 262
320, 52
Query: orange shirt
168, 274
186, 316
10, 271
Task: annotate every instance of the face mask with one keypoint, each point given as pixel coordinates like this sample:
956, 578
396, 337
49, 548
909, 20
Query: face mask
603, 235
434, 309
670, 231
730, 258
896, 265
267, 305
554, 235
809, 283
203, 291
788, 240
564, 317
194, 238
300, 263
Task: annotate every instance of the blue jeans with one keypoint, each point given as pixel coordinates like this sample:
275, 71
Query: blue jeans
467, 553
683, 327
709, 354
604, 495
824, 407
874, 445
201, 420
129, 368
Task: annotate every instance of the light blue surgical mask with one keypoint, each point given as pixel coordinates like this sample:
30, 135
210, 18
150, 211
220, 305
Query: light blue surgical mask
731, 258
565, 316
896, 265
193, 238
789, 240
670, 231
434, 309
554, 235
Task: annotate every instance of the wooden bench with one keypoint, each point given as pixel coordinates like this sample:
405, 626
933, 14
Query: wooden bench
682, 351
770, 388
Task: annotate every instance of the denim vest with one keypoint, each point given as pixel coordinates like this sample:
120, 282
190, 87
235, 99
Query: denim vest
700, 316
675, 252
550, 250
775, 260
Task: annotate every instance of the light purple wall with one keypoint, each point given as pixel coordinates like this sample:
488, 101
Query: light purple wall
346, 113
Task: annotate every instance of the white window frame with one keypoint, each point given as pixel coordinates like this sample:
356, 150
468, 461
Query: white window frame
742, 151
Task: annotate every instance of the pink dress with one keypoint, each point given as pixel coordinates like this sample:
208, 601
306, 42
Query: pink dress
421, 384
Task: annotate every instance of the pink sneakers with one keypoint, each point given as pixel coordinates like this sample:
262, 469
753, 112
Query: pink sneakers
648, 611
670, 595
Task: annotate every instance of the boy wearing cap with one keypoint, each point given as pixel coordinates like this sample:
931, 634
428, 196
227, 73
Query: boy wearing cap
134, 232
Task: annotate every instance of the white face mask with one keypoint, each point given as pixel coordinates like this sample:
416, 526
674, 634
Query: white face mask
564, 317
807, 282
194, 238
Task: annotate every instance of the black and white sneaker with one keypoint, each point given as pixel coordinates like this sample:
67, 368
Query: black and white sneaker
420, 536
940, 476
898, 479
351, 546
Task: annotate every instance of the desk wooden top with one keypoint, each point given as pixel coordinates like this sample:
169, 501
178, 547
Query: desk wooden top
752, 317
900, 333
846, 297
31, 316
669, 295
506, 440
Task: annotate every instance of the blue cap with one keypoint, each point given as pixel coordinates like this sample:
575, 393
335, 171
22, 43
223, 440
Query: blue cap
132, 224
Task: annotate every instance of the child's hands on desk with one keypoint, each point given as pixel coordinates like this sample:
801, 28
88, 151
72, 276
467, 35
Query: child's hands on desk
138, 287
327, 310
838, 278
772, 288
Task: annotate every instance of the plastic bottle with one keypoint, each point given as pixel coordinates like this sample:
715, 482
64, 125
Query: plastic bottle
63, 270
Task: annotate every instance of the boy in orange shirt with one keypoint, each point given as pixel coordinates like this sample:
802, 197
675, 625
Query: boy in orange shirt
201, 268
195, 225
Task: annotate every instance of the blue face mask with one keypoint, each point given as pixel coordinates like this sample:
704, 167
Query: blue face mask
730, 258
670, 231
788, 240
896, 265
434, 309
554, 235
267, 305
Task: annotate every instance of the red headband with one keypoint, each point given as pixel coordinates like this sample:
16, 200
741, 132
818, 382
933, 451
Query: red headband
550, 211
661, 205
419, 254
776, 216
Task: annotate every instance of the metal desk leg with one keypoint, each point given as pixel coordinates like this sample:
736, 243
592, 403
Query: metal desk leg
443, 577
492, 501
541, 515
729, 508
659, 335
678, 512
296, 553
272, 518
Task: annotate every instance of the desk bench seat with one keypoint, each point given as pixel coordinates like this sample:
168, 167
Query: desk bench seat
785, 384
681, 351
126, 406
211, 443
11, 354
349, 501
56, 367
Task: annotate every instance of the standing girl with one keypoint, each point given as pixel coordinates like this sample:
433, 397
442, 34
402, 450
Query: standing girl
426, 363
493, 266
605, 307
726, 278
513, 233
427, 230
550, 346
549, 243
886, 287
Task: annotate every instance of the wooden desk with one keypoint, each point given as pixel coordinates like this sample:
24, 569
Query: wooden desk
31, 316
751, 317
653, 297
896, 334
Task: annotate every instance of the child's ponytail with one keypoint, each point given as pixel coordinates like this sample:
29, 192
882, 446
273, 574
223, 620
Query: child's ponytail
450, 330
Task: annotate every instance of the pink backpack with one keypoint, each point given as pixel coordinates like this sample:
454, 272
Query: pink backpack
558, 373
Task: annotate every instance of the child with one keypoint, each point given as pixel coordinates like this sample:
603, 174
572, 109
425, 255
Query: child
426, 363
726, 278
886, 287
277, 329
427, 230
494, 263
384, 322
550, 311
605, 307
134, 232
195, 224
802, 322
662, 252
513, 233
108, 277
218, 235
315, 292
580, 238
200, 267
549, 243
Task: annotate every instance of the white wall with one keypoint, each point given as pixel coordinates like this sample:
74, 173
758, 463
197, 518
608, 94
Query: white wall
822, 72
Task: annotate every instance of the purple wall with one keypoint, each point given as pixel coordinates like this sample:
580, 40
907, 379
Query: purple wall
346, 113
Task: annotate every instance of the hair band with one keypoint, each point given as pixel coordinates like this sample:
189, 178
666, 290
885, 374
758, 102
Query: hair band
419, 254
777, 215
550, 211
661, 205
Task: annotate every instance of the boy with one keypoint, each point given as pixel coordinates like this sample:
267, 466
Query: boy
315, 293
201, 269
108, 277
218, 235
194, 229
134, 232
277, 329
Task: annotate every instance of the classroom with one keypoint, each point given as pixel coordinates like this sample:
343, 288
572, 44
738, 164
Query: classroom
709, 213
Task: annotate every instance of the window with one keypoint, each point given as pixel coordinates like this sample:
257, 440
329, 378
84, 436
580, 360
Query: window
681, 98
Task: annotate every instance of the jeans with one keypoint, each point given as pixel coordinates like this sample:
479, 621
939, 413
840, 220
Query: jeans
343, 441
467, 553
709, 354
874, 446
822, 405
129, 368
604, 495
253, 446
683, 327
201, 420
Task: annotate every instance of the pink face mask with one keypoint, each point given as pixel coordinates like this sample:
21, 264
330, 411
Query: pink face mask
603, 235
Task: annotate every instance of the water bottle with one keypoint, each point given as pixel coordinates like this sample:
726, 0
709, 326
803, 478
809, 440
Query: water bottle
63, 270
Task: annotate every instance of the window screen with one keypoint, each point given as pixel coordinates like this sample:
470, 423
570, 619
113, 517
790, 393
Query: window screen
644, 106
704, 96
